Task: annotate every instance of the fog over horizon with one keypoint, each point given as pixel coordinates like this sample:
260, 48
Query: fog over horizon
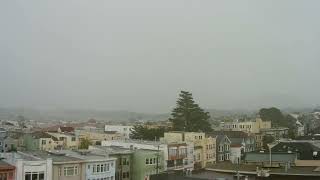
138, 55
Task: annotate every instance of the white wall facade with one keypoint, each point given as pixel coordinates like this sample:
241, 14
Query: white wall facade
235, 154
101, 170
28, 169
125, 130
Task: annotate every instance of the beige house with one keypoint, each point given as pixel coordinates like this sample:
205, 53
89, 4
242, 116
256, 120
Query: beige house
68, 140
204, 147
96, 136
247, 126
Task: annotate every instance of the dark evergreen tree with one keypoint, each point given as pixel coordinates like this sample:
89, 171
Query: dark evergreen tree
188, 116
142, 132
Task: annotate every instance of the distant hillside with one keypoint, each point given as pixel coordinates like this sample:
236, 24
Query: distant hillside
79, 115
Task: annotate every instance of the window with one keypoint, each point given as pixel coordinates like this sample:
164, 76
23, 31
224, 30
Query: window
34, 175
221, 157
73, 139
102, 168
71, 171
147, 161
43, 142
227, 156
125, 175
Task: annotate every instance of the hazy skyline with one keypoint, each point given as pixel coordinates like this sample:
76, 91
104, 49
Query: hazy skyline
138, 55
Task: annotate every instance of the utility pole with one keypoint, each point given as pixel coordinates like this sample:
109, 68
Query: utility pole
158, 159
238, 167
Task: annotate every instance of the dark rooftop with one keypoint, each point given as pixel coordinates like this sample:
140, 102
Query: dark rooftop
40, 134
6, 166
305, 150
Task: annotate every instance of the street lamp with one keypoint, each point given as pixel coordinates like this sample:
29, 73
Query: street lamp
270, 154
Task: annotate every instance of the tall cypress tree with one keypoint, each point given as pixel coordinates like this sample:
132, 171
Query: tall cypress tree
188, 116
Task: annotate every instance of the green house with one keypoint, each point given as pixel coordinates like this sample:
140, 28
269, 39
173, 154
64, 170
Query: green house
133, 164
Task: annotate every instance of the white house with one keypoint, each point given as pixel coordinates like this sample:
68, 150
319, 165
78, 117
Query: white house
29, 167
125, 130
235, 153
97, 167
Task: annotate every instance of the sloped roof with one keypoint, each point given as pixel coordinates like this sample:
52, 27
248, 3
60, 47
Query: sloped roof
304, 149
40, 134
219, 137
5, 166
66, 129
308, 138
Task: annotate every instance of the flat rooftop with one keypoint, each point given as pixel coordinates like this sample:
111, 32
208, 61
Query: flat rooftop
55, 156
114, 150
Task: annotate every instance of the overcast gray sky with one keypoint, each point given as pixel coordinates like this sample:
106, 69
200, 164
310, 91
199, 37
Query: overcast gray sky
137, 55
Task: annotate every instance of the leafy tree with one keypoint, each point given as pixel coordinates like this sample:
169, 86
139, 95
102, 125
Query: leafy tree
188, 116
291, 124
142, 132
267, 140
279, 120
274, 115
85, 143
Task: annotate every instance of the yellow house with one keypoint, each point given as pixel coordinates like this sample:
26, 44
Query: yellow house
69, 140
247, 126
204, 147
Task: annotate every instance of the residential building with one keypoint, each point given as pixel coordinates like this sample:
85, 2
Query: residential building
39, 141
133, 164
124, 130
97, 136
29, 167
223, 150
3, 136
180, 156
204, 147
247, 126
168, 163
95, 166
306, 150
259, 141
64, 167
241, 142
277, 133
7, 171
69, 140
